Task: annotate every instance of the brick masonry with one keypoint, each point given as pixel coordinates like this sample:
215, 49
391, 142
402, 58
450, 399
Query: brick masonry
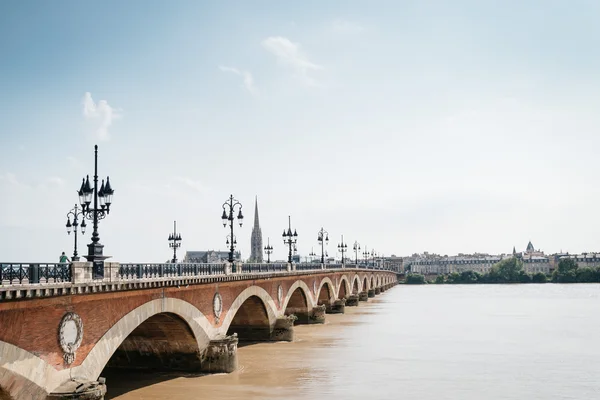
29, 327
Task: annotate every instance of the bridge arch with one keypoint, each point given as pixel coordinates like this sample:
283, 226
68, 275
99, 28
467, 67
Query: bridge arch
343, 288
365, 284
355, 285
372, 285
252, 315
21, 366
326, 292
299, 301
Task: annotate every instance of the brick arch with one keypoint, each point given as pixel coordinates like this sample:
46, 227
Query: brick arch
372, 282
346, 287
365, 283
307, 294
327, 282
41, 377
356, 283
256, 291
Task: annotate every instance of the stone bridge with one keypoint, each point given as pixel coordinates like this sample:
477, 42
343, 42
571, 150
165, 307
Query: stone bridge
58, 334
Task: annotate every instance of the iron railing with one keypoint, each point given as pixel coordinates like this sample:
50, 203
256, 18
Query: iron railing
35, 273
145, 271
263, 267
27, 273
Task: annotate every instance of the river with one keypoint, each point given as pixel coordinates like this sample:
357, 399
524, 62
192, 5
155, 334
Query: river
431, 342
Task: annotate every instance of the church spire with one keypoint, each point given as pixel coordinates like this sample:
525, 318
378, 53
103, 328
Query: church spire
256, 244
256, 223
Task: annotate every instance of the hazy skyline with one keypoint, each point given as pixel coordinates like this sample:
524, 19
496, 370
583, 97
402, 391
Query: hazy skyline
467, 126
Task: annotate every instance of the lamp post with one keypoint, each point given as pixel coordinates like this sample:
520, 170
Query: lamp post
268, 250
174, 241
366, 255
342, 247
290, 239
102, 198
323, 239
228, 208
75, 213
356, 249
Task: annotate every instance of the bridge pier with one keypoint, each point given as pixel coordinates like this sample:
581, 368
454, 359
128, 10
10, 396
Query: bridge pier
352, 300
220, 355
283, 331
318, 315
77, 389
363, 296
371, 292
377, 291
338, 306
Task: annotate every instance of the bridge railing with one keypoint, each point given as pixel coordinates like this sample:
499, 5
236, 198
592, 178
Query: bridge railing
263, 267
146, 271
27, 273
307, 266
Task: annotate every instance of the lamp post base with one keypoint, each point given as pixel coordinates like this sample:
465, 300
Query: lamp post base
95, 255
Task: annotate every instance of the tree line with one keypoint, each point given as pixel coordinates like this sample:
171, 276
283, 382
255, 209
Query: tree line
511, 270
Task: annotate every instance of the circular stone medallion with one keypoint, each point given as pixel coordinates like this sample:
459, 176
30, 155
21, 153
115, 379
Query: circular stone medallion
217, 306
70, 334
279, 294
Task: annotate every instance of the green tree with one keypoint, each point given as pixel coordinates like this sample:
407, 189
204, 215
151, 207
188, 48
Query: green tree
539, 277
586, 275
439, 279
415, 279
566, 272
509, 270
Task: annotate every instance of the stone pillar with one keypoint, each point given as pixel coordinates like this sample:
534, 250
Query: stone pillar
227, 268
113, 271
338, 307
284, 329
289, 267
352, 300
220, 355
377, 290
371, 292
363, 296
318, 315
81, 271
79, 389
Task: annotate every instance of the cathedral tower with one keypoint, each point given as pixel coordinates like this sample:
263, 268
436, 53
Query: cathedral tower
256, 244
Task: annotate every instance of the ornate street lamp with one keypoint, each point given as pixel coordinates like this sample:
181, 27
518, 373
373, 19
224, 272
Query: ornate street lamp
268, 250
174, 241
75, 213
323, 239
342, 247
228, 209
102, 198
290, 239
366, 255
356, 249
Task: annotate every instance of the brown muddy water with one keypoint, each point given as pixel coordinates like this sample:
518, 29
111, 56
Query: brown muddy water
431, 342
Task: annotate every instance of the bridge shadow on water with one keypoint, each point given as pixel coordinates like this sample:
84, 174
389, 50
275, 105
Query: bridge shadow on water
120, 381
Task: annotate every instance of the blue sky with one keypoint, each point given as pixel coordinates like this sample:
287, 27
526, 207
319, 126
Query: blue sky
409, 126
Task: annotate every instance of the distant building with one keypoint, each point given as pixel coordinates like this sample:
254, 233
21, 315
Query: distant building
534, 260
209, 256
256, 243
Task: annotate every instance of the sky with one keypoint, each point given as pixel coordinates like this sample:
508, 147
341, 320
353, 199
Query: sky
407, 126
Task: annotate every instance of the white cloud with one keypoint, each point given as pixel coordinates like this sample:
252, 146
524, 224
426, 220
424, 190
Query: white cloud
248, 79
101, 113
290, 54
193, 184
342, 26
